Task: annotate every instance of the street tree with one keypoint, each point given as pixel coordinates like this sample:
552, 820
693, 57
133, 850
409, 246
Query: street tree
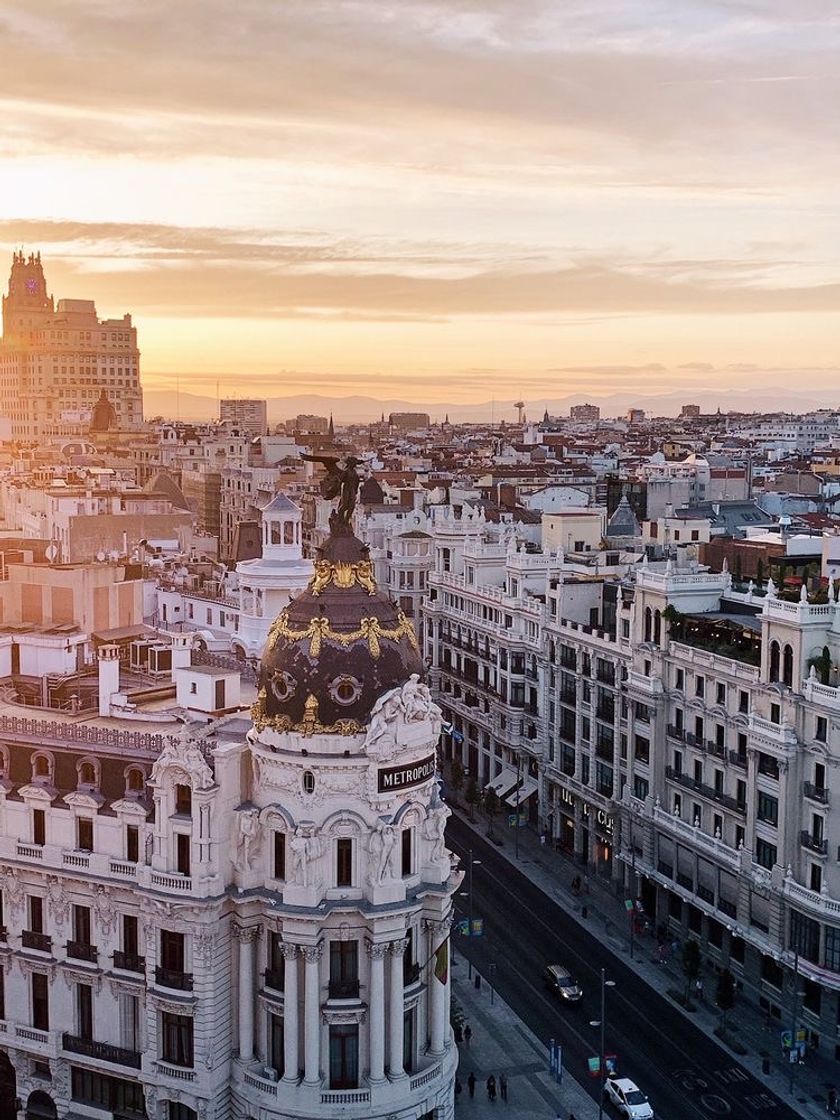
691, 964
456, 777
725, 994
472, 796
491, 808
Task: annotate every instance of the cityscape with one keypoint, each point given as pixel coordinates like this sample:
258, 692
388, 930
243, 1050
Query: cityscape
419, 629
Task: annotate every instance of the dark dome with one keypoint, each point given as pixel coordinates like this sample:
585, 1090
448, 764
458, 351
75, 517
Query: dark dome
335, 649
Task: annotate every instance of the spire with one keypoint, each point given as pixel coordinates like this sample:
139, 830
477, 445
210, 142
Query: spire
331, 428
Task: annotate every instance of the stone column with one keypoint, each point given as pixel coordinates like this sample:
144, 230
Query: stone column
312, 1014
247, 937
376, 1011
438, 935
291, 1028
396, 1011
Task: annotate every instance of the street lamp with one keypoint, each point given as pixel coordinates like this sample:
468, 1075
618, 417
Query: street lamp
602, 1023
518, 779
469, 893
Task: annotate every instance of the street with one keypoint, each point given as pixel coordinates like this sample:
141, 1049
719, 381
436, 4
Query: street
684, 1071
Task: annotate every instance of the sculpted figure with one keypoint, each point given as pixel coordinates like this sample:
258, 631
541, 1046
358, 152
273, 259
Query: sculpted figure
434, 829
248, 838
304, 849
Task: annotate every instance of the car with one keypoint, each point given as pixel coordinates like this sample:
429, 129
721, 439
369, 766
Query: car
628, 1098
559, 980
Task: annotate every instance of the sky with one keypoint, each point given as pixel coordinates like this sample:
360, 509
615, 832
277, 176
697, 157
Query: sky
444, 200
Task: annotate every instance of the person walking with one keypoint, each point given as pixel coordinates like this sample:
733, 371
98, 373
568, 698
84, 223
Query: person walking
467, 1035
503, 1087
491, 1088
471, 1084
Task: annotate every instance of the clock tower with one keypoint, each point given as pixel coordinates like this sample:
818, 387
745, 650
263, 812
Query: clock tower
27, 305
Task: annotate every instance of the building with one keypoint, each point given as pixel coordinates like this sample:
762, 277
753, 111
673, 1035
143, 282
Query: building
236, 915
247, 414
408, 421
307, 422
635, 416
585, 413
678, 735
56, 360
690, 411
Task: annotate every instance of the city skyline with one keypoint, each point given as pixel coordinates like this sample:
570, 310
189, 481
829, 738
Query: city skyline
437, 201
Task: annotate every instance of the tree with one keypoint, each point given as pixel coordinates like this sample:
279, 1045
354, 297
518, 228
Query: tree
691, 964
456, 777
491, 807
472, 796
725, 994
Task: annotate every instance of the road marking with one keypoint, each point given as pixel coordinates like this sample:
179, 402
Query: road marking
731, 1075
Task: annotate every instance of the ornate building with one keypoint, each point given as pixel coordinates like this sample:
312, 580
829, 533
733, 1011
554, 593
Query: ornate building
248, 918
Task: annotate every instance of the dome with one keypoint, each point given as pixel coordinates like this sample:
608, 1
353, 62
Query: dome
336, 649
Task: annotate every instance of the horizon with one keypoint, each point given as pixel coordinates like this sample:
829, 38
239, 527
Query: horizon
533, 203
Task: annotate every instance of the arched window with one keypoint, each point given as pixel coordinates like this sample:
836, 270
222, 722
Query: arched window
774, 661
787, 666
135, 780
648, 623
42, 767
657, 627
87, 774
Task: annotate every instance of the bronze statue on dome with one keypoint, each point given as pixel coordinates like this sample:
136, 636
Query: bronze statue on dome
340, 481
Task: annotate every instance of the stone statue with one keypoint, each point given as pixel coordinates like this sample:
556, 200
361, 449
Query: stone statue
416, 699
247, 838
434, 827
341, 481
304, 849
381, 846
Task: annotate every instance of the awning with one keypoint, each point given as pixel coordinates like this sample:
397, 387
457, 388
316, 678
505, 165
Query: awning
122, 633
528, 788
503, 782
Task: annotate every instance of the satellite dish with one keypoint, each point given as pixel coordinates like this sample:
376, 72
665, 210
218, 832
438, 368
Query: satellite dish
100, 556
51, 552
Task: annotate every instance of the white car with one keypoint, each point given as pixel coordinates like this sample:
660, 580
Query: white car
628, 1098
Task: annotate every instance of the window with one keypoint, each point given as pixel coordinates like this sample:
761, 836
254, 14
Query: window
177, 1039
183, 801
130, 935
409, 1020
135, 780
642, 749
40, 1002
344, 862
680, 681
344, 969
183, 845
172, 954
678, 762
132, 843
720, 697
280, 855
84, 1011
699, 685
344, 1056
768, 808
768, 765
832, 949
130, 1023
39, 827
406, 853
308, 782
821, 733
275, 1044
775, 713
36, 913
84, 834
641, 787
816, 878
81, 925
765, 854
743, 702
805, 936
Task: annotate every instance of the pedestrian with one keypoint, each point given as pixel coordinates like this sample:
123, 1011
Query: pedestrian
459, 1088
503, 1087
832, 1101
542, 839
467, 1035
698, 989
491, 1088
471, 1084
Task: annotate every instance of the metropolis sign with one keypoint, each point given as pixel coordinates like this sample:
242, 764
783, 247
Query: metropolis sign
392, 778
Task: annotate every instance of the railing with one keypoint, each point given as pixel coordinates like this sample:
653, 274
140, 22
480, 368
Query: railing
816, 844
676, 732
129, 962
104, 1051
29, 939
123, 867
703, 790
45, 730
738, 759
423, 1078
82, 951
345, 1096
172, 978
260, 1083
75, 859
179, 1073
172, 882
815, 793
30, 851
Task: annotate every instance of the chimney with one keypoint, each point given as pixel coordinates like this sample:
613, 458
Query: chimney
109, 676
181, 651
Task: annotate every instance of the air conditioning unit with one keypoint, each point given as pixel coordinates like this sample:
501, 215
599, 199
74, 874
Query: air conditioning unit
270, 1073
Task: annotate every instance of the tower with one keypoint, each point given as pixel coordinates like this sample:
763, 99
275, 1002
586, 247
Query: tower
520, 411
343, 800
27, 304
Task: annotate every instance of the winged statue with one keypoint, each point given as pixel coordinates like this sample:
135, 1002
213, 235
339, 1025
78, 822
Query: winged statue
340, 481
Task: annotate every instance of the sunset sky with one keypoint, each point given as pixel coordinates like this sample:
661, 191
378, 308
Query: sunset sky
437, 201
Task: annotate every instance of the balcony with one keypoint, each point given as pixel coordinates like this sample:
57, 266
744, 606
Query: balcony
173, 978
129, 962
738, 759
813, 843
676, 732
82, 951
703, 790
815, 793
103, 1051
344, 989
29, 939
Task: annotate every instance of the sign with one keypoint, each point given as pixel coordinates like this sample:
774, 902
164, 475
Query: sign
523, 820
477, 927
628, 904
594, 1064
393, 778
463, 927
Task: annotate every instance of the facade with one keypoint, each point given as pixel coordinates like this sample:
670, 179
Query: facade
250, 415
235, 916
57, 360
679, 737
585, 413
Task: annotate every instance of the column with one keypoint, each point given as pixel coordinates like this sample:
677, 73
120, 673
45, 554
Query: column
247, 938
438, 936
396, 1011
291, 1027
376, 1010
312, 1014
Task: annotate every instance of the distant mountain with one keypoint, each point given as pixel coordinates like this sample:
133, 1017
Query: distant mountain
361, 409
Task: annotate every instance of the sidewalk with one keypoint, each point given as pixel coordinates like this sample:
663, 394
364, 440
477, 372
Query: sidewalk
502, 1044
607, 921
